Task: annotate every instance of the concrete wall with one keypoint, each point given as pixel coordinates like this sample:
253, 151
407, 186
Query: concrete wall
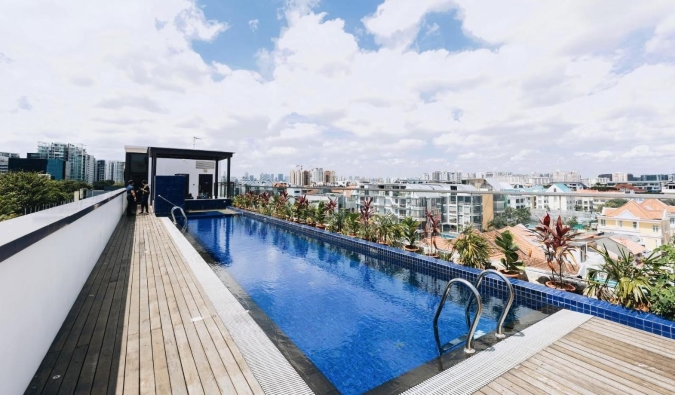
39, 284
170, 167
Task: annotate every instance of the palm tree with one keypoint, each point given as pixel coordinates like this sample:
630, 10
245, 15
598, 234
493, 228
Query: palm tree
473, 249
619, 281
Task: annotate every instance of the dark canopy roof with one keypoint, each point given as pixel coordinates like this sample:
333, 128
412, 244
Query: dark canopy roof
179, 153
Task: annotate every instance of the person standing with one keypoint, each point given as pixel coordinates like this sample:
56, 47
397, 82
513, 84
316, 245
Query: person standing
131, 199
145, 196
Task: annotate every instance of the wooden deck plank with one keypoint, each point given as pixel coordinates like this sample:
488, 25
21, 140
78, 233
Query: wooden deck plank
526, 386
617, 364
147, 372
625, 352
645, 340
172, 357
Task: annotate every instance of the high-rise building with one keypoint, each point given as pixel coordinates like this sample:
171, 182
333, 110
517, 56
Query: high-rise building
280, 177
566, 176
4, 160
300, 177
114, 170
79, 165
316, 175
329, 177
100, 170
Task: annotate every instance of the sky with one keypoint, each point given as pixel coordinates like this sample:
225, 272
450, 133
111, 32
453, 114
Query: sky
363, 87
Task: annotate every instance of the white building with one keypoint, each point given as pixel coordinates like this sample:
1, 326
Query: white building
114, 170
79, 165
458, 207
619, 177
566, 176
316, 175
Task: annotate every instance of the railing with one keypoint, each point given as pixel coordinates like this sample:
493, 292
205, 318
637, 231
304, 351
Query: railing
502, 318
173, 212
472, 327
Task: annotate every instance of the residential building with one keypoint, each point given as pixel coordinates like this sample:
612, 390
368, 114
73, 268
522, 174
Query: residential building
668, 187
280, 177
79, 165
114, 170
4, 160
329, 177
620, 177
647, 223
566, 176
300, 177
316, 176
455, 202
100, 171
55, 168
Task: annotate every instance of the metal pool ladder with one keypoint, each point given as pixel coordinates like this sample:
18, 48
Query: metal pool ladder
173, 212
472, 328
472, 325
500, 324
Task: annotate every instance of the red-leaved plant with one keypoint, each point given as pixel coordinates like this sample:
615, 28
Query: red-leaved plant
557, 240
431, 229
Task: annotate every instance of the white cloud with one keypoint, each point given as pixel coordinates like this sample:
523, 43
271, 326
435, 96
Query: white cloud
543, 96
253, 24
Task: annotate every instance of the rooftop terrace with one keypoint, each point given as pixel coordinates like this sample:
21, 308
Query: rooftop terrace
139, 317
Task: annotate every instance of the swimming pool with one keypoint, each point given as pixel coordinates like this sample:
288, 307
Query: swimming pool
359, 320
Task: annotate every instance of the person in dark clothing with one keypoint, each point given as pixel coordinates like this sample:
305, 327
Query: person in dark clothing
131, 199
145, 195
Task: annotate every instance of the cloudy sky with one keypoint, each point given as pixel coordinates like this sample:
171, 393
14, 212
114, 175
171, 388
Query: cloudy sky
364, 87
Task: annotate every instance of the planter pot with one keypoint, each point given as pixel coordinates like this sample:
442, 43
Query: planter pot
320, 226
351, 234
563, 286
510, 274
411, 249
382, 242
431, 255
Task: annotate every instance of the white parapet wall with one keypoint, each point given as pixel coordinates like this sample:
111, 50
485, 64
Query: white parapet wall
45, 259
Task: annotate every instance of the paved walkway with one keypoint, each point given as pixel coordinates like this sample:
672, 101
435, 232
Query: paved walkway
142, 324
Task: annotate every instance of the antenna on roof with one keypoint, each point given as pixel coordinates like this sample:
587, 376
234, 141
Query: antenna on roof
194, 141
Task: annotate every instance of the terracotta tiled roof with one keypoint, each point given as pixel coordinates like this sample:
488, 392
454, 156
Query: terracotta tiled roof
656, 204
636, 210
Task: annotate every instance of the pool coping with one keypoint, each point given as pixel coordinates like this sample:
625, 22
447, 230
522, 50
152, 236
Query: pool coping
535, 293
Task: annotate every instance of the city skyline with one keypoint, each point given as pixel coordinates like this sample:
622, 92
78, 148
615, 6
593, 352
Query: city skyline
375, 87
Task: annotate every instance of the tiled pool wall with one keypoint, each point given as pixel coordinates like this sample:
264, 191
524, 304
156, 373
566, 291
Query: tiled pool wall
530, 294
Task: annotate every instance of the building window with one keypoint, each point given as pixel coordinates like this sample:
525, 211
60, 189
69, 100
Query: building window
602, 222
634, 225
620, 224
672, 221
655, 228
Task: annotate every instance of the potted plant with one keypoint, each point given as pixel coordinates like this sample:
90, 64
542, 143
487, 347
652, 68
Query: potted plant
365, 216
557, 243
620, 281
383, 225
320, 216
409, 227
512, 266
352, 224
337, 221
472, 249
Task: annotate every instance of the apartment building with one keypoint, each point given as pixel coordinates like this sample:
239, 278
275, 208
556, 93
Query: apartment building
457, 205
648, 223
79, 165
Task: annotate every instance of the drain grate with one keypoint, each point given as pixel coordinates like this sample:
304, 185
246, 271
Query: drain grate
481, 369
274, 373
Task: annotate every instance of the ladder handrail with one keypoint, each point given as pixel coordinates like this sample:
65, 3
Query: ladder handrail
173, 214
500, 333
472, 327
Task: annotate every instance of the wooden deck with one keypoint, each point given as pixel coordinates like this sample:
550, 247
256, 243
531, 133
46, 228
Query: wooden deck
142, 324
599, 357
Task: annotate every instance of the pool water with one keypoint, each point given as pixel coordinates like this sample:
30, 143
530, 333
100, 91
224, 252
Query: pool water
360, 320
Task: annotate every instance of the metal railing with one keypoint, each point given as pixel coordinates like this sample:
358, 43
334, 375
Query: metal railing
173, 212
472, 328
500, 324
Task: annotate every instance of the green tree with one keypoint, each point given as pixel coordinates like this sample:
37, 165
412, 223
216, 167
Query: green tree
24, 190
572, 222
98, 185
616, 203
510, 217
